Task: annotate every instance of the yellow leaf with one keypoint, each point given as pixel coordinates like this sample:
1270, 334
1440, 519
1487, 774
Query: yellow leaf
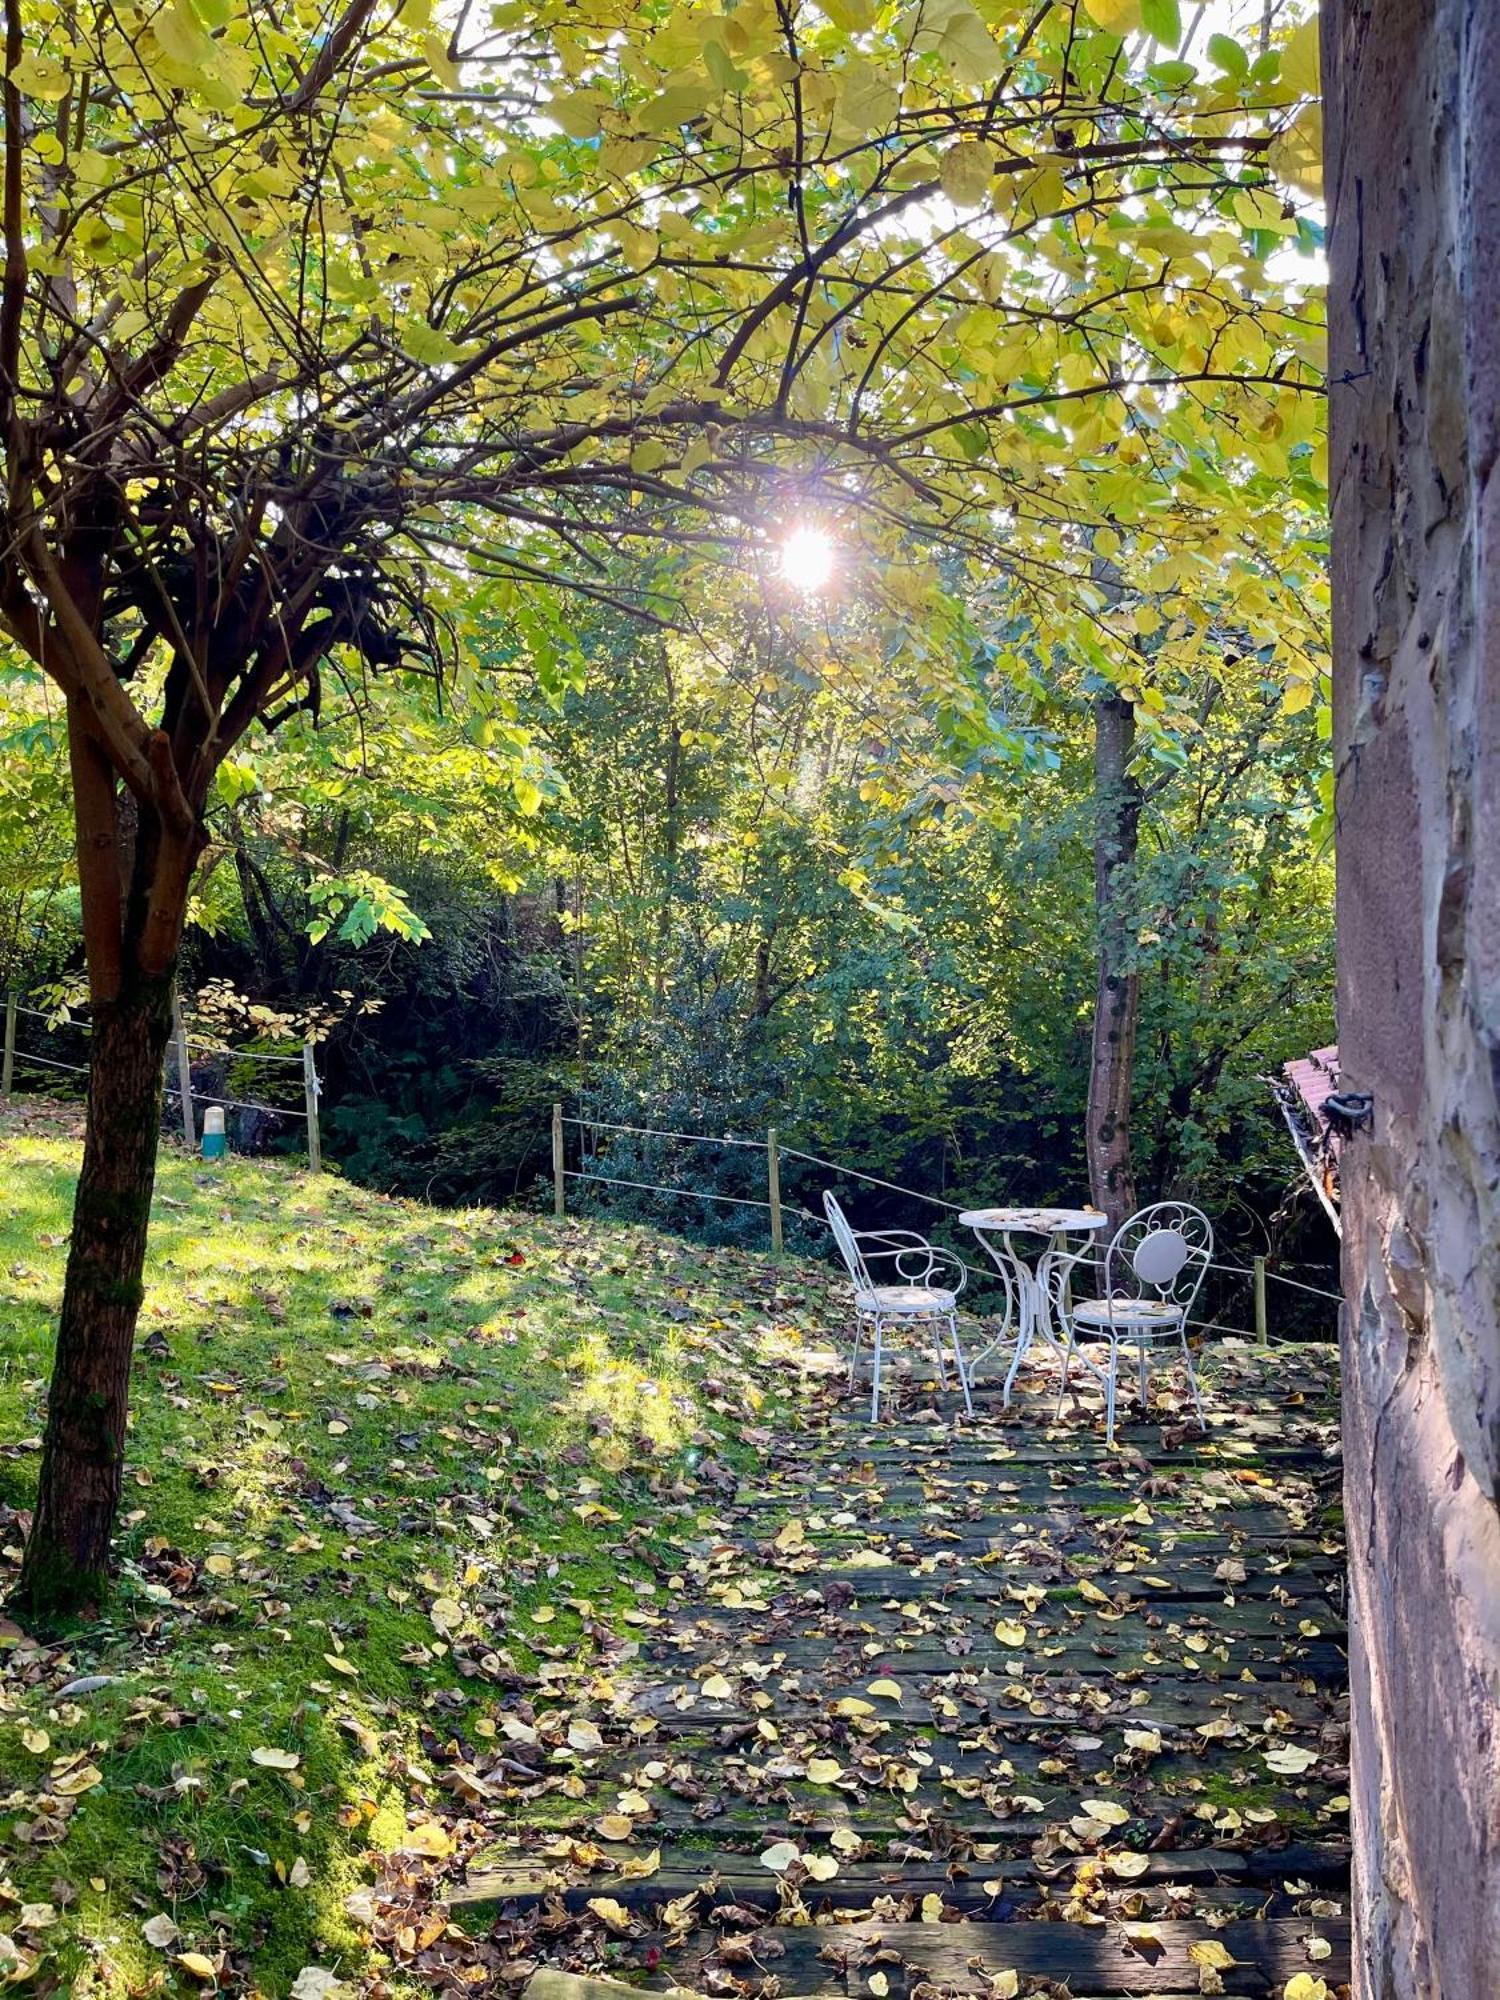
609, 1912
219, 1565
966, 172
932, 1908
1211, 1953
780, 1855
1005, 1985
1120, 17
1303, 1986
1128, 1865
889, 1688
195, 1963
1108, 1810
1299, 58
879, 1985
583, 1735
821, 1867
1009, 1633
793, 1534
824, 1770
82, 1778
614, 1826
636, 1866
341, 1665
427, 1837
275, 1760
446, 1612
715, 1688
37, 1741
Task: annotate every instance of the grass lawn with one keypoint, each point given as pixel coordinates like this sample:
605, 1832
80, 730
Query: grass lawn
386, 1462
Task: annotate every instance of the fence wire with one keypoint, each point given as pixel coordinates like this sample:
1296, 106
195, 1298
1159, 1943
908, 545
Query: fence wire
1241, 1271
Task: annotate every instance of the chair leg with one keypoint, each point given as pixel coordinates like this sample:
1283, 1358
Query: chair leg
875, 1391
958, 1362
1062, 1388
859, 1334
1145, 1373
1110, 1388
1187, 1362
937, 1353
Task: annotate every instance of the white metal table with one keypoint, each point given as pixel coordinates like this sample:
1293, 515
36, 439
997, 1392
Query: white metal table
1029, 1281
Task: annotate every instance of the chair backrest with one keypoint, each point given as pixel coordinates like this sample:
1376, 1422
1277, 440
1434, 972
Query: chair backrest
844, 1236
1163, 1252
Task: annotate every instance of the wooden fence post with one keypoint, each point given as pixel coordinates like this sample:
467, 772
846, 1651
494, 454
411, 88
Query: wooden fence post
773, 1187
310, 1099
1260, 1300
184, 1073
559, 1203
8, 1061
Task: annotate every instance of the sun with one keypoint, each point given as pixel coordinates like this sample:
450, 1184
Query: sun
807, 558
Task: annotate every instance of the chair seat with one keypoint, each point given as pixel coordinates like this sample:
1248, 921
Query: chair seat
1141, 1316
916, 1300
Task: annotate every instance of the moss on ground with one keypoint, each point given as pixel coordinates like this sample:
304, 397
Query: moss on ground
383, 1460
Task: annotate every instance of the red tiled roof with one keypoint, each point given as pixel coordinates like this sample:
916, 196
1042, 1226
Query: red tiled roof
1314, 1077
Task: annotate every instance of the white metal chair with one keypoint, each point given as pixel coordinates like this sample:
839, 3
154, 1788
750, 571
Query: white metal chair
911, 1299
1153, 1269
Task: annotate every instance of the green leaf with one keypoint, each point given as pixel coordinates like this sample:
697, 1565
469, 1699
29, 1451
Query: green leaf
1228, 55
1162, 20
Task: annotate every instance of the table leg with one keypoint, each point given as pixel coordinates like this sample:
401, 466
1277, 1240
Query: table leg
1012, 1308
1026, 1317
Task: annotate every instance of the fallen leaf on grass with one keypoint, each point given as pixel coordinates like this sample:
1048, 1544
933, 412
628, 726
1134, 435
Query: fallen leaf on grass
316, 1982
160, 1931
271, 1759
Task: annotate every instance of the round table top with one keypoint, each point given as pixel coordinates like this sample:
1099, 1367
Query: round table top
1038, 1221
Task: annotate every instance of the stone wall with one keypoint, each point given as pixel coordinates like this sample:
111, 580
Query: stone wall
1413, 171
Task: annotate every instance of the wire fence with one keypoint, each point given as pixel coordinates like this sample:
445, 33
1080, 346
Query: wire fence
179, 1088
1258, 1275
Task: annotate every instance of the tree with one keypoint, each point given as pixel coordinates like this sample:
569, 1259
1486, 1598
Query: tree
1414, 149
1117, 1004
319, 338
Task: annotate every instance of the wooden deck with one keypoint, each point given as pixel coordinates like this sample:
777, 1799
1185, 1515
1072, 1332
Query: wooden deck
978, 1706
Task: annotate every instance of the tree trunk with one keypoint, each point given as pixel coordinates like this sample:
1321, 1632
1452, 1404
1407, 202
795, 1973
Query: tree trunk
67, 1553
1413, 152
134, 870
1117, 1005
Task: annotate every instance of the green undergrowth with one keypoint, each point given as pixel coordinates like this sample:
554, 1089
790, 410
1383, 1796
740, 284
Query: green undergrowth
384, 1462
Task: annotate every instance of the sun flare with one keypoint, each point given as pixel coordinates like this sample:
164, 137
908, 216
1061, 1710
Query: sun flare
807, 558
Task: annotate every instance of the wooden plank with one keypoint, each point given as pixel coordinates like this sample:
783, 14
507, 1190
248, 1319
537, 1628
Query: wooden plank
1103, 1959
739, 1878
1094, 1703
